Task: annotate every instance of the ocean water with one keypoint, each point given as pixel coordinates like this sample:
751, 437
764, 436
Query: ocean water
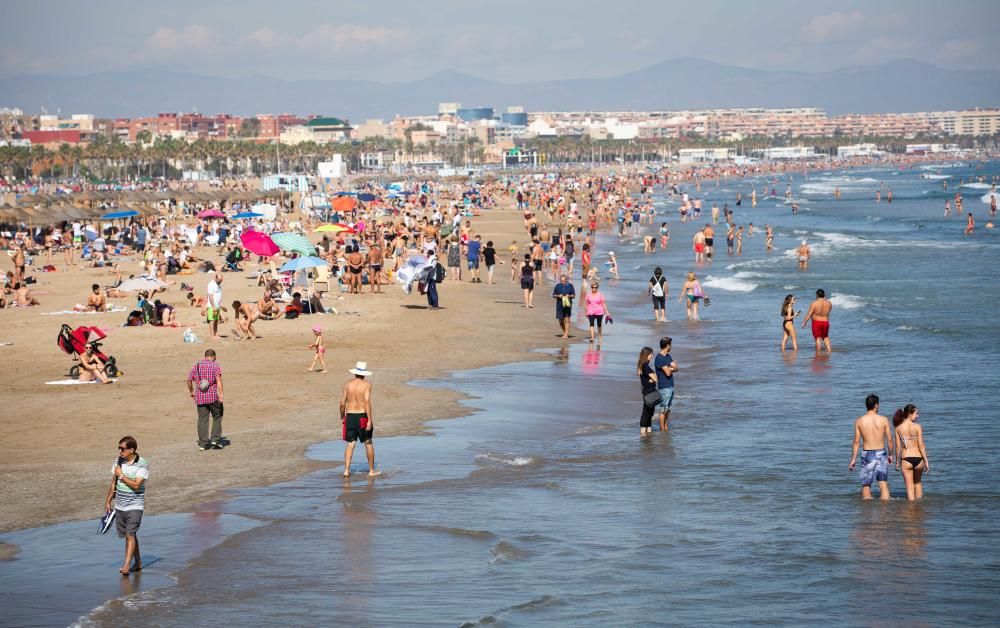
544, 507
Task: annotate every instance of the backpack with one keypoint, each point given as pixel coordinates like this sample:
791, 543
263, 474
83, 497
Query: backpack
439, 273
657, 286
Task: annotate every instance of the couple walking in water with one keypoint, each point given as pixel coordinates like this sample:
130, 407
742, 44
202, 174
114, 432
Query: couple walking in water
880, 442
818, 313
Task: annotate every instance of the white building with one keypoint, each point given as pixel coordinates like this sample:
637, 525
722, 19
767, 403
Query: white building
790, 152
705, 155
859, 150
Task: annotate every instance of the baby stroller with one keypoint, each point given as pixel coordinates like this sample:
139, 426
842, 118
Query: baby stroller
75, 341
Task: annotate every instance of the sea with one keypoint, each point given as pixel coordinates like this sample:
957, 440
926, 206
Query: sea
544, 507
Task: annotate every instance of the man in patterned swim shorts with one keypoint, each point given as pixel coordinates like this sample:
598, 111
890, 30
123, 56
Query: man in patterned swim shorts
873, 429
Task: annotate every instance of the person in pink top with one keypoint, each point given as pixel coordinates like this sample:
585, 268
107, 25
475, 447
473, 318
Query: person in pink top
597, 310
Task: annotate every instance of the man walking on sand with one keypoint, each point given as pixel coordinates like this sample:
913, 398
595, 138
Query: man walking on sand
205, 386
819, 314
356, 417
873, 429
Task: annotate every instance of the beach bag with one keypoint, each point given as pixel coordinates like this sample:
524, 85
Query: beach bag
134, 319
439, 273
651, 399
657, 286
696, 290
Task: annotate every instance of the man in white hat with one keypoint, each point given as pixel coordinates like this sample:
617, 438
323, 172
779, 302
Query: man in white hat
356, 417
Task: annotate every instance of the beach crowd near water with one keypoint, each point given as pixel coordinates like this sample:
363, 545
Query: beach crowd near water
301, 273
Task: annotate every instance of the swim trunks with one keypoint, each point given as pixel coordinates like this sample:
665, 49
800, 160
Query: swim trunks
821, 329
699, 247
356, 427
709, 241
212, 314
874, 466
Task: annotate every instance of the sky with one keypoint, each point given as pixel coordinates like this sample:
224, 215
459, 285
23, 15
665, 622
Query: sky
501, 40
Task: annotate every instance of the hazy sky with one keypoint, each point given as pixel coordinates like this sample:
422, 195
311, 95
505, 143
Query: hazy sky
506, 40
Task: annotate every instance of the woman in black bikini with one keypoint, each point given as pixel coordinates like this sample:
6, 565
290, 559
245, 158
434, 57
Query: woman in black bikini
788, 315
912, 457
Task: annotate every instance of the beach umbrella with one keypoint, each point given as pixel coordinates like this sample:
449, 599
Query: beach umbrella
366, 197
127, 213
345, 193
294, 242
301, 263
141, 283
210, 213
337, 227
259, 243
248, 215
344, 203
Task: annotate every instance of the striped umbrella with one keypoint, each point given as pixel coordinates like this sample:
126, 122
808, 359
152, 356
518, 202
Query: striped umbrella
294, 242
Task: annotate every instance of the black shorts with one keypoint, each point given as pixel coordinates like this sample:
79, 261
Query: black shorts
354, 431
595, 318
709, 241
537, 264
563, 312
659, 303
527, 283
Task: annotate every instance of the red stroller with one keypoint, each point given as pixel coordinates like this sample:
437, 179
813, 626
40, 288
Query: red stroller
75, 342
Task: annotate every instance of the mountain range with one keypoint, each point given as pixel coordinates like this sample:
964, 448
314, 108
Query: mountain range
686, 83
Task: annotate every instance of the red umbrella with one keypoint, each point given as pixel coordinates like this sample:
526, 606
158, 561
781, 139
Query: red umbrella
259, 243
211, 213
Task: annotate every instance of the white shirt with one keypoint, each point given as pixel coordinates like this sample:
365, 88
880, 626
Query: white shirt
214, 294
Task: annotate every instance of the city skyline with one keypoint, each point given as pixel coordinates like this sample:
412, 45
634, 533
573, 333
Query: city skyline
514, 42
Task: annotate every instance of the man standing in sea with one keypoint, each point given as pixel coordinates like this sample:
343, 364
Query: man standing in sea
873, 429
819, 314
564, 293
665, 367
357, 418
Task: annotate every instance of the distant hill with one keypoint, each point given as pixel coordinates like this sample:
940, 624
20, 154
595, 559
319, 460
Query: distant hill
896, 86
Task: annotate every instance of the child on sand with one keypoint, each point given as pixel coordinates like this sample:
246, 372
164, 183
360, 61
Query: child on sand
320, 350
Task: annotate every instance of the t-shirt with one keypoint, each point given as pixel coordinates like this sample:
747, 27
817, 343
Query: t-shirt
662, 379
490, 255
473, 253
595, 303
563, 289
125, 497
214, 294
657, 287
647, 386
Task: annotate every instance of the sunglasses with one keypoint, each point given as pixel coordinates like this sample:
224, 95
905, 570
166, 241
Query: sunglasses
120, 448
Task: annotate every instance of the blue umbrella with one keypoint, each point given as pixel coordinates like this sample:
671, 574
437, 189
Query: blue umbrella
300, 263
128, 213
366, 197
248, 215
345, 193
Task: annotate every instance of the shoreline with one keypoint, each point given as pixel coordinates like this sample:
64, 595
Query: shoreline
276, 450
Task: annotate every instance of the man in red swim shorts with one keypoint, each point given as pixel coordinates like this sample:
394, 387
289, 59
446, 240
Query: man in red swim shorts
819, 314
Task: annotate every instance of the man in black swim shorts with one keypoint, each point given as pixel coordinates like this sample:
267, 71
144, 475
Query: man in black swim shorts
356, 417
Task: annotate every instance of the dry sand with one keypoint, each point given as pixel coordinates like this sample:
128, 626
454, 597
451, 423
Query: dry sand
60, 441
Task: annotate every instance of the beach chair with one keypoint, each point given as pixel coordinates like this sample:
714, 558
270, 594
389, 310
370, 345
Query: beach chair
322, 277
284, 278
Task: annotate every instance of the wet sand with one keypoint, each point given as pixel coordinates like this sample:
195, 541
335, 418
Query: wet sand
60, 441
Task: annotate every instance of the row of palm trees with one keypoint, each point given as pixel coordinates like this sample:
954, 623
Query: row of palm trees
107, 158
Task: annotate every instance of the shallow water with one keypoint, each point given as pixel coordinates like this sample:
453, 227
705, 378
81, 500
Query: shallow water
544, 506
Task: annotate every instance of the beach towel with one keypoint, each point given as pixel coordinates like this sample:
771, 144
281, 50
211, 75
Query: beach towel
73, 382
113, 308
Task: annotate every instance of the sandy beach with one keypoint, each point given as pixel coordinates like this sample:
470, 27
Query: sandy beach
64, 436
